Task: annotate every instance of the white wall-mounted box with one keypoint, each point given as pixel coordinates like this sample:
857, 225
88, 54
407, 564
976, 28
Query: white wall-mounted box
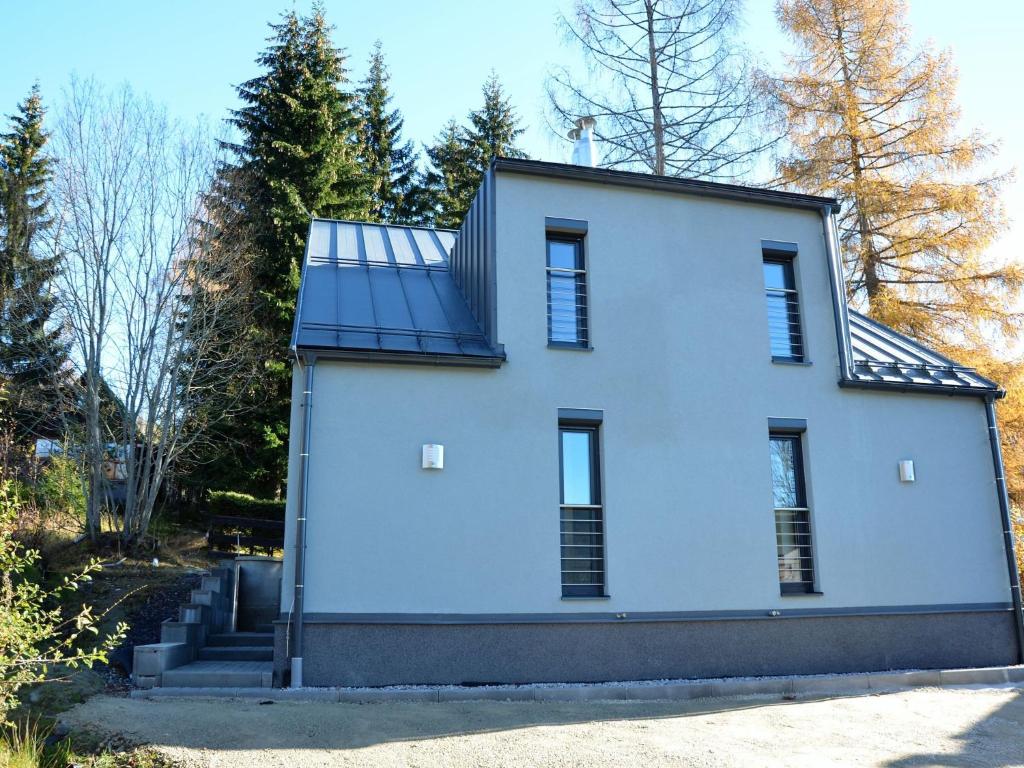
433, 456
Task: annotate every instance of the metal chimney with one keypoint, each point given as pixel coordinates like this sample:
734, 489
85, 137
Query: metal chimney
584, 150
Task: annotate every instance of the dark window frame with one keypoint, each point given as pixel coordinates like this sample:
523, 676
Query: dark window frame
791, 295
801, 514
580, 274
593, 429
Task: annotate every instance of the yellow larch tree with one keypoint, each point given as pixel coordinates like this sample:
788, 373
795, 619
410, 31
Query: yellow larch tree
873, 121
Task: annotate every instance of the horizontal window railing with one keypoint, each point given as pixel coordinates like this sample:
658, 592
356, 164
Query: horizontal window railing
567, 306
794, 546
784, 323
582, 550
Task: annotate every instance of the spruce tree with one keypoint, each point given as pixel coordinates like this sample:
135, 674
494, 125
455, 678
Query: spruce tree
32, 352
297, 157
389, 163
495, 126
452, 179
460, 157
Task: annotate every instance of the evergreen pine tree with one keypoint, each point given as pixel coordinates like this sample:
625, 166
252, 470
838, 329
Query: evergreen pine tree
32, 352
297, 157
389, 163
460, 157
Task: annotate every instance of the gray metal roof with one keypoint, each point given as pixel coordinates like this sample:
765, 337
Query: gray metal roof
880, 354
381, 291
376, 291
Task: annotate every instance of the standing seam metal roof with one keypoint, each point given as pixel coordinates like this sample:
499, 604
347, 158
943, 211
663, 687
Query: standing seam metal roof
372, 291
381, 288
881, 354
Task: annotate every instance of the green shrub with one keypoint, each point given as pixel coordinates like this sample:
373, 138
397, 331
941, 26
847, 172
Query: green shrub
232, 504
60, 492
60, 488
35, 635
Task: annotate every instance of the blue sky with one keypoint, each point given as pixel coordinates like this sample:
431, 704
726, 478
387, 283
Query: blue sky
189, 54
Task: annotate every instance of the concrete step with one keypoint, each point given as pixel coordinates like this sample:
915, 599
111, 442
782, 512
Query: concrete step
153, 659
241, 638
236, 653
179, 632
215, 600
220, 674
194, 613
214, 584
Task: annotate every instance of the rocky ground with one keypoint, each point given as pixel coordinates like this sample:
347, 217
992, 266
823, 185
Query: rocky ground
152, 604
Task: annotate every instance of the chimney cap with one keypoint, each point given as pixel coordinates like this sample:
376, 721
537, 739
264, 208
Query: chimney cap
584, 151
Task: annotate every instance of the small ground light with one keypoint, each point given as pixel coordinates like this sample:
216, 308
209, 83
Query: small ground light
906, 471
433, 456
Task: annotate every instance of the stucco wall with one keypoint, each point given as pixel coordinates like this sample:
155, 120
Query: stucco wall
681, 368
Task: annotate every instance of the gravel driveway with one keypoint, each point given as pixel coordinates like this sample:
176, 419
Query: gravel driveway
922, 727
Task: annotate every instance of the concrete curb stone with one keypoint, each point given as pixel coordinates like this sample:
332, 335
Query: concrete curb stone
988, 675
768, 686
674, 691
896, 680
370, 695
477, 694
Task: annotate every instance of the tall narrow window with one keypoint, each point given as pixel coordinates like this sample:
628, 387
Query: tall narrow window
567, 291
783, 309
792, 516
582, 524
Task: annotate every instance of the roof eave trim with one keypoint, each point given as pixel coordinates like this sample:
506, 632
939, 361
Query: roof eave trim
302, 284
924, 389
409, 358
663, 183
903, 337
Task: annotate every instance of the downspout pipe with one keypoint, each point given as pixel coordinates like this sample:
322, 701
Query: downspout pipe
1004, 512
838, 285
308, 364
846, 378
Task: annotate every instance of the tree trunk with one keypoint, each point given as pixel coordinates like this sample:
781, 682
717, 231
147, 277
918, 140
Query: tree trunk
659, 124
868, 257
94, 448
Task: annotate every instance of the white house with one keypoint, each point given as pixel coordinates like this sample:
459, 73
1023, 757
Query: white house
621, 426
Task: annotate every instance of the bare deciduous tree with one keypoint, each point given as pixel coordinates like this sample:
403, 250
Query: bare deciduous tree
154, 293
668, 85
